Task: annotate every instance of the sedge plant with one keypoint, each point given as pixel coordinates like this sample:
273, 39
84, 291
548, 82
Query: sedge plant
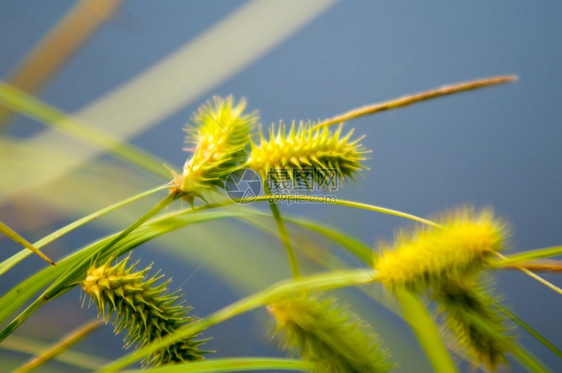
436, 275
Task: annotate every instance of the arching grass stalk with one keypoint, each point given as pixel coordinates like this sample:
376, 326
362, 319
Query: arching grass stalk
320, 199
528, 256
418, 97
67, 280
425, 329
16, 258
37, 281
529, 329
15, 298
69, 270
152, 212
73, 268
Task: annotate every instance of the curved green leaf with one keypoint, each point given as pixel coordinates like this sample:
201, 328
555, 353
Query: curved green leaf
230, 365
16, 258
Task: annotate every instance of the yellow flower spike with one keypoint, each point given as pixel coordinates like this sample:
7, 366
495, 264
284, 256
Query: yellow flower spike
218, 140
142, 307
327, 152
330, 337
430, 255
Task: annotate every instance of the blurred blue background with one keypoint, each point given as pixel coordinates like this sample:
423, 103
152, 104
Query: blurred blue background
498, 147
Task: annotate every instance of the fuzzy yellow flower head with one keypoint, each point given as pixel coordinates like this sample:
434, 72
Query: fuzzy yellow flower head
328, 153
461, 245
219, 143
328, 336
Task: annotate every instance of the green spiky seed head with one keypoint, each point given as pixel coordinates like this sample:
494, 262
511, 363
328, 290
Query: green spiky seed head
484, 342
143, 308
218, 140
304, 146
331, 338
461, 245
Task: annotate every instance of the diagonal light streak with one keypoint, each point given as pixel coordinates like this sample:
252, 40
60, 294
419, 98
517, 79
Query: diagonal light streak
118, 111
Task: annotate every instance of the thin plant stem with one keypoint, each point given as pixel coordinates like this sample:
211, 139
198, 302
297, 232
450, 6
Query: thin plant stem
528, 256
320, 199
18, 257
535, 276
60, 347
529, 329
155, 210
554, 266
284, 235
425, 330
418, 97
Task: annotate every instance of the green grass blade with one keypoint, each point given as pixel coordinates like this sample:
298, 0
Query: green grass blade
19, 101
275, 292
426, 331
530, 330
284, 236
9, 232
529, 256
240, 364
16, 258
57, 349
